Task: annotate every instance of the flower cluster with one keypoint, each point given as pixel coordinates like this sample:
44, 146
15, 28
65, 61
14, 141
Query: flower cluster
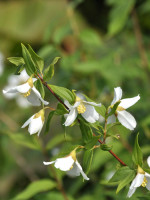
76, 108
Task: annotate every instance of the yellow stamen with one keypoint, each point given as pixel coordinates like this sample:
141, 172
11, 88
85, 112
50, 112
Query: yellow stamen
27, 93
144, 183
81, 108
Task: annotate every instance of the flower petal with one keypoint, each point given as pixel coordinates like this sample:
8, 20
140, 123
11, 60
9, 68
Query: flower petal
27, 122
131, 192
65, 163
81, 170
111, 119
12, 90
48, 163
23, 88
148, 183
33, 99
39, 96
71, 117
90, 114
92, 103
126, 119
74, 171
67, 104
126, 103
35, 125
138, 180
148, 161
117, 95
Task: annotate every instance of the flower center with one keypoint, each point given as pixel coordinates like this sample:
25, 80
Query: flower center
81, 108
27, 93
144, 183
119, 108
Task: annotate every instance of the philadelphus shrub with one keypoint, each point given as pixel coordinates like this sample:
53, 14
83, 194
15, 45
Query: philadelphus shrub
77, 109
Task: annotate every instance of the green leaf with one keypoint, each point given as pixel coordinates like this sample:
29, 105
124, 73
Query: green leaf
92, 142
86, 131
129, 177
87, 160
122, 9
58, 139
116, 129
101, 110
25, 140
51, 114
39, 86
39, 62
137, 155
35, 188
61, 110
29, 64
120, 174
49, 71
16, 61
113, 110
63, 93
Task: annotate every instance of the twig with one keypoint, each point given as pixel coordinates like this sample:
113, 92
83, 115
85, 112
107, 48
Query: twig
46, 85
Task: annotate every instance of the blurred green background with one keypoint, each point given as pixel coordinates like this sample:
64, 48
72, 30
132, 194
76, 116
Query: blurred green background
102, 45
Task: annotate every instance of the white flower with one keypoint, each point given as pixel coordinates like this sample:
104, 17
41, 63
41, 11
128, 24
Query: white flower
29, 91
85, 108
69, 164
142, 179
124, 117
1, 64
35, 123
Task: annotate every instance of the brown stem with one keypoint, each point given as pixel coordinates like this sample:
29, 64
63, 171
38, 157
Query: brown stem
46, 85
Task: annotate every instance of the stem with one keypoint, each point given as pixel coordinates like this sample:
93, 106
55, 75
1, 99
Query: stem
113, 154
46, 85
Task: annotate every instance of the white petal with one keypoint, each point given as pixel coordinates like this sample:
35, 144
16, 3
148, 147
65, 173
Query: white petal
22, 102
48, 163
76, 104
71, 117
12, 90
39, 95
27, 122
65, 163
67, 104
90, 114
92, 103
148, 183
126, 119
117, 95
80, 95
111, 119
23, 88
81, 170
74, 171
23, 77
138, 180
148, 161
35, 125
33, 99
126, 103
131, 192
